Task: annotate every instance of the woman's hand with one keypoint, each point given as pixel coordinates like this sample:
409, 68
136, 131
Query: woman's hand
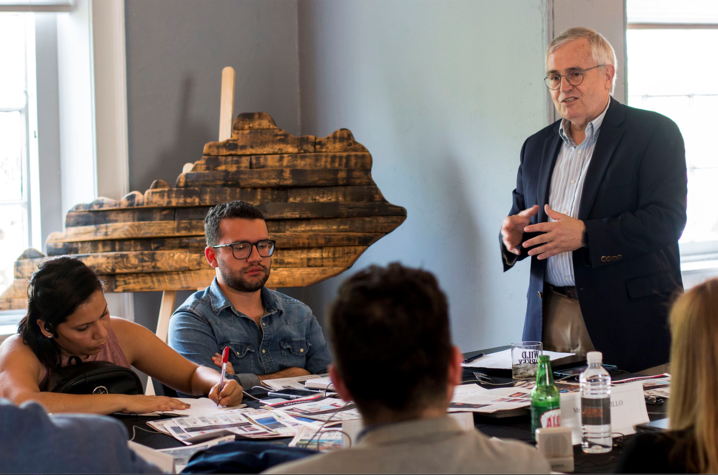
143, 404
217, 359
231, 394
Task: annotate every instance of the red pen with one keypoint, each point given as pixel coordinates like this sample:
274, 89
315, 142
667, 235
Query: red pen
225, 358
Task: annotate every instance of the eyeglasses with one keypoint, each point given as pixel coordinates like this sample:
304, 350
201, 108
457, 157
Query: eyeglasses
574, 77
243, 249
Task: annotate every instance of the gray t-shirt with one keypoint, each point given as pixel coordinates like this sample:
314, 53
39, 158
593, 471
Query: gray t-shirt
31, 441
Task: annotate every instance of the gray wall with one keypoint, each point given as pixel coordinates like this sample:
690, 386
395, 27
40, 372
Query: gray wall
176, 50
443, 94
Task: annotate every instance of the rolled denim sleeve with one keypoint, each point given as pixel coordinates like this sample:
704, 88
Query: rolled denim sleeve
319, 356
192, 337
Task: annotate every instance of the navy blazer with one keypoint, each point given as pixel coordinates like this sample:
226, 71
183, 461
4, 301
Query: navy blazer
634, 208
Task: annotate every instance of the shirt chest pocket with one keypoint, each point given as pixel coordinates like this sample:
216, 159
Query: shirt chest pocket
294, 352
241, 355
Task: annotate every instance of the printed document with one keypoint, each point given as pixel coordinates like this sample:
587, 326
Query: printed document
502, 359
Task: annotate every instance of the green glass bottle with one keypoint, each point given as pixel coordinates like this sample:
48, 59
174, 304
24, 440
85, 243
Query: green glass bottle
545, 399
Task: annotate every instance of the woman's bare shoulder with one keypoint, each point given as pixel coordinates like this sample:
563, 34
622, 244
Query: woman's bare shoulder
15, 353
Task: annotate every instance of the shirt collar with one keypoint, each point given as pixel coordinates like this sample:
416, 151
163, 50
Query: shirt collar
591, 130
220, 301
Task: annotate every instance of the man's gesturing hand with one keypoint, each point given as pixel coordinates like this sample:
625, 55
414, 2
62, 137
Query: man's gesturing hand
512, 229
564, 234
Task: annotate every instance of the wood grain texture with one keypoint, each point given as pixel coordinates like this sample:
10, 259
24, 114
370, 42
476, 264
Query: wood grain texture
315, 160
273, 178
132, 199
381, 224
13, 304
327, 194
254, 120
199, 279
227, 162
99, 203
90, 218
115, 231
340, 141
191, 196
128, 245
261, 141
128, 262
30, 253
17, 290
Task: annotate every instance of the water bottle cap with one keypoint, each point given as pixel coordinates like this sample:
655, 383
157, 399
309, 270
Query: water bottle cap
594, 357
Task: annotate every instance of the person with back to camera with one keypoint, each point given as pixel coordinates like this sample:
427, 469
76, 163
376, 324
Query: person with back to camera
68, 317
691, 444
391, 339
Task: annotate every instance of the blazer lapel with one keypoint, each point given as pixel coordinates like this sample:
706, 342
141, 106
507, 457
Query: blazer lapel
608, 138
551, 149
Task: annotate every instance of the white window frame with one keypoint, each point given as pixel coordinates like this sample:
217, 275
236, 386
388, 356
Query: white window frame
699, 260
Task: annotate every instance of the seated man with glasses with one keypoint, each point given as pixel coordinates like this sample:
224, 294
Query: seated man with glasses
269, 334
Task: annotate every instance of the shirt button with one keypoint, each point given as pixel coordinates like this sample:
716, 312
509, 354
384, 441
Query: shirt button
264, 324
573, 181
237, 353
264, 351
565, 211
567, 278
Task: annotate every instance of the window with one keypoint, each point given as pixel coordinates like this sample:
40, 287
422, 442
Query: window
671, 71
15, 223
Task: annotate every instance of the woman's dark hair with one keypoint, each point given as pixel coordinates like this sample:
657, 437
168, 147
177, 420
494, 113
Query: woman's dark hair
56, 289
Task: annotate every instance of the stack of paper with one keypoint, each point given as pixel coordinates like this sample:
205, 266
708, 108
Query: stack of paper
474, 398
320, 408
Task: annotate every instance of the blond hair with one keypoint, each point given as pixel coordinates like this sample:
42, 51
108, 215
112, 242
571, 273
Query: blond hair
693, 404
601, 49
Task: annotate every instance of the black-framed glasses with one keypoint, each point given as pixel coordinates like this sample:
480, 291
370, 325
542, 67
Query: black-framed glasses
574, 77
243, 249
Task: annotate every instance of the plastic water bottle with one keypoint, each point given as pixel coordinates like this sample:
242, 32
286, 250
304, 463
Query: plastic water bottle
595, 406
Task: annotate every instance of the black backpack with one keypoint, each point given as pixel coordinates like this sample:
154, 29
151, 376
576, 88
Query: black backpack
95, 377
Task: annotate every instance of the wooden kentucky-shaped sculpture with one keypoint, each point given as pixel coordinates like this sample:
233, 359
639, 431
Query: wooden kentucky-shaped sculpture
317, 195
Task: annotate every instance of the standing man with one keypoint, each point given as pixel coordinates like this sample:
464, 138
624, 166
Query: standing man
270, 335
599, 205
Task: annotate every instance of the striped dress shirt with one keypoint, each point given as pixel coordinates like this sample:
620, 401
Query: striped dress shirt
566, 189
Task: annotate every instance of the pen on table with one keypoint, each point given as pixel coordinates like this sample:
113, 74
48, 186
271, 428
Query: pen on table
225, 358
475, 357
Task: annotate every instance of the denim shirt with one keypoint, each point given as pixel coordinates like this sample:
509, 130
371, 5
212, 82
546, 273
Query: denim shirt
207, 322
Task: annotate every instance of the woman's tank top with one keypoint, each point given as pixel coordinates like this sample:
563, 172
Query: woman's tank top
112, 352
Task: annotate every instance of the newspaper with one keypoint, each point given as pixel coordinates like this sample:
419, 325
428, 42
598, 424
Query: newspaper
250, 423
320, 408
474, 398
310, 438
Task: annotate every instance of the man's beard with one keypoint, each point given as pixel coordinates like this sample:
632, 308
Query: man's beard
237, 281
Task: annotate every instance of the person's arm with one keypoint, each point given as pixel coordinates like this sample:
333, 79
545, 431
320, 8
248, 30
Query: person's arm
660, 215
193, 338
319, 356
518, 217
152, 356
20, 373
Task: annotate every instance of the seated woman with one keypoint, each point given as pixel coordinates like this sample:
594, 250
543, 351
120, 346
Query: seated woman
691, 444
68, 317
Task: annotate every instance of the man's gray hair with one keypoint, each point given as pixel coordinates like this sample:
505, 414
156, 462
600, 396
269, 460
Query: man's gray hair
601, 49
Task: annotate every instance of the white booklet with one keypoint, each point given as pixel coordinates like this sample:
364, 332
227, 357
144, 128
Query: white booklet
502, 359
